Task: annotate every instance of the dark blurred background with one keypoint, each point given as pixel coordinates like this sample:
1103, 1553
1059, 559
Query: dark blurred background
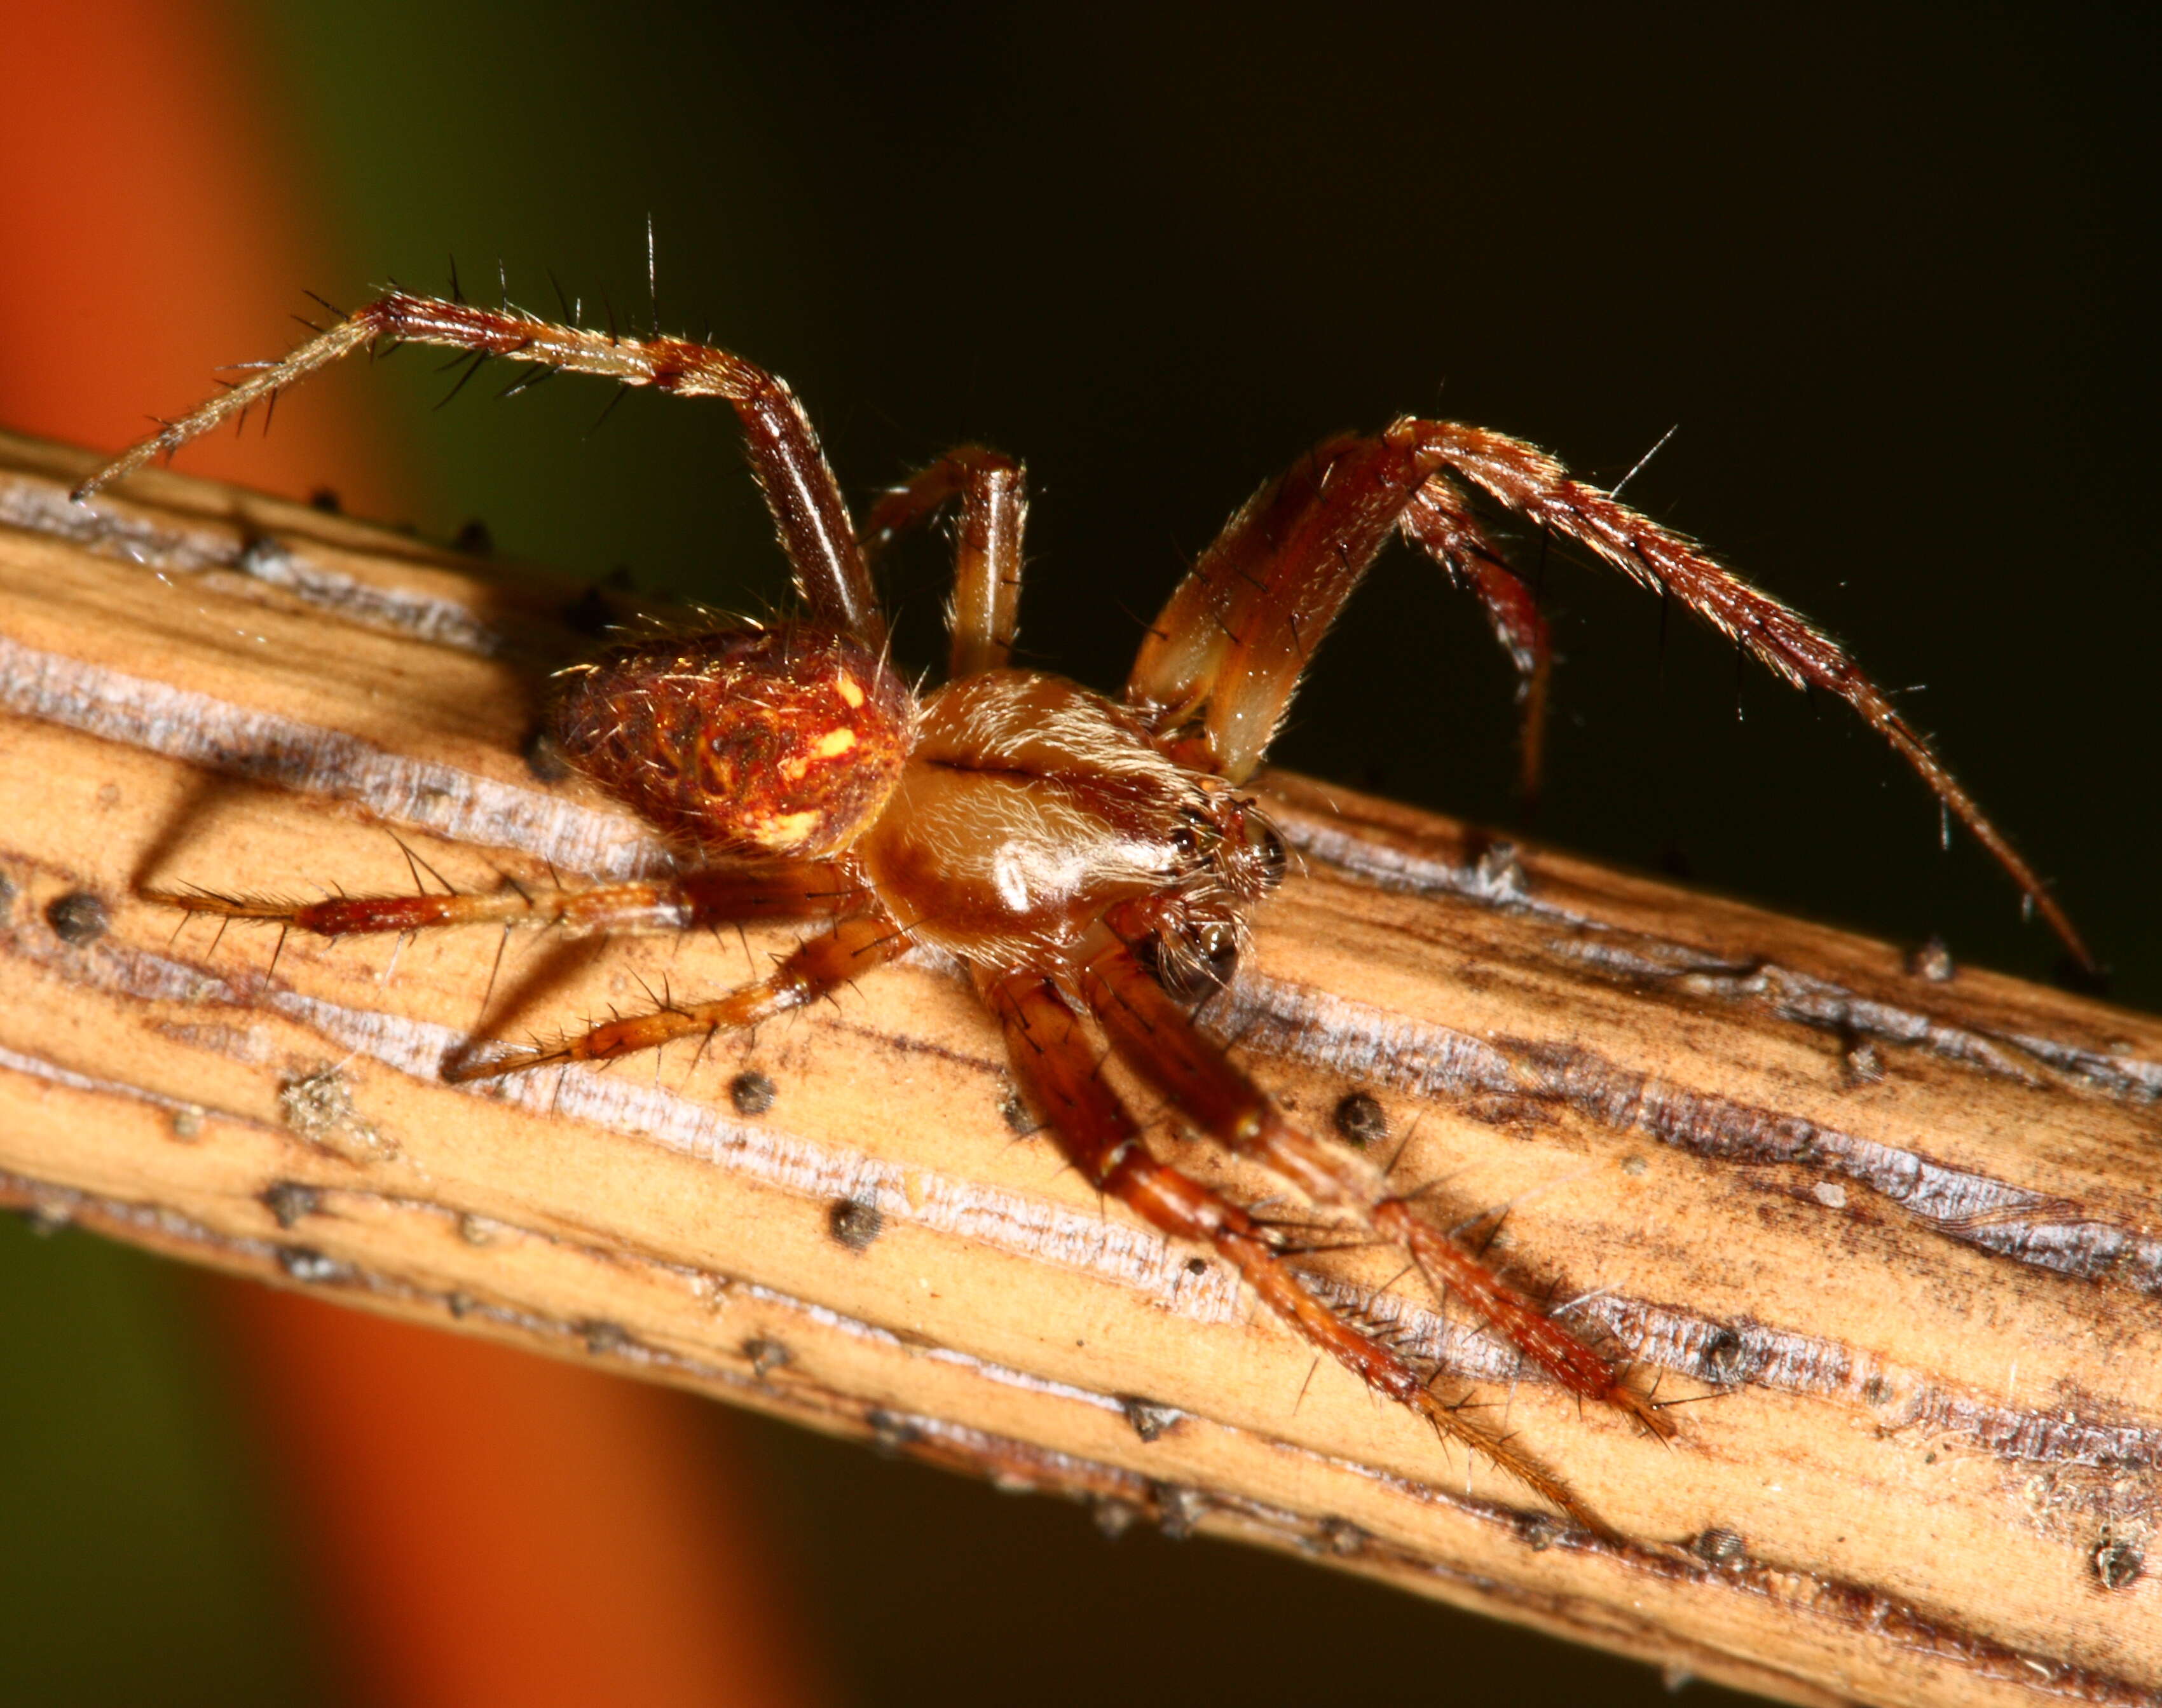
1889, 274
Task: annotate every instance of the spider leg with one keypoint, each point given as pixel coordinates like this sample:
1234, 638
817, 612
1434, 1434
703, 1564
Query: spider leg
808, 511
817, 965
1219, 667
1154, 1036
1058, 1066
1439, 522
993, 494
1536, 486
687, 901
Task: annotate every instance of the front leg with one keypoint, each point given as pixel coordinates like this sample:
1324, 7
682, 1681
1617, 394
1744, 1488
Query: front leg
808, 511
1222, 661
1152, 1035
1059, 1068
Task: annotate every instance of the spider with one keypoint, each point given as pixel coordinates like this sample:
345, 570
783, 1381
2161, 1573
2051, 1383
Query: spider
1092, 863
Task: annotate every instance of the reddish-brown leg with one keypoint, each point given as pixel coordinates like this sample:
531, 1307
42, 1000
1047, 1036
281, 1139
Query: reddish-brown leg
1153, 1036
848, 950
689, 901
1536, 486
1056, 1064
808, 511
1439, 522
1220, 665
993, 494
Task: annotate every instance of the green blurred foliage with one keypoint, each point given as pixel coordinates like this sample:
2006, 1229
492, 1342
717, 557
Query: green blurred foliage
137, 1562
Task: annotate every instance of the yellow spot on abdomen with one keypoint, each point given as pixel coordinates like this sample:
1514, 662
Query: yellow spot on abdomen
835, 742
785, 831
845, 685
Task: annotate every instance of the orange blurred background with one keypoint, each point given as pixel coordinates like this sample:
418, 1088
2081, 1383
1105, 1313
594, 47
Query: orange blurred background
481, 1526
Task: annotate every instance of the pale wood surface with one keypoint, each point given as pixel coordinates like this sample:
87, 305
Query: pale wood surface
1908, 1228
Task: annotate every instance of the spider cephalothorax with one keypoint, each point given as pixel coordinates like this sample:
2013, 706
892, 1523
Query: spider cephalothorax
1091, 863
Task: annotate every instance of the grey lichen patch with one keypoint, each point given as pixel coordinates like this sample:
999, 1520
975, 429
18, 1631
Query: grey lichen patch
1932, 961
318, 1108
1114, 1516
47, 1216
2118, 1562
1014, 1111
1341, 1538
1723, 1358
1862, 1065
891, 1434
604, 1339
766, 1355
305, 1263
476, 1230
1721, 1548
1179, 1510
1499, 874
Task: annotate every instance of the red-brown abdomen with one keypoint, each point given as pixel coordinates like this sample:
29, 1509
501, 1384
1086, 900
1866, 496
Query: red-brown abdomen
750, 743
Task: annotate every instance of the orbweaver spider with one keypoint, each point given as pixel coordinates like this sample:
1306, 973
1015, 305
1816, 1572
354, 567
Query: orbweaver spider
1091, 863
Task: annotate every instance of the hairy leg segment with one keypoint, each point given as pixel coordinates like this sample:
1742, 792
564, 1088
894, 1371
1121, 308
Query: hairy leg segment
1438, 520
809, 513
688, 901
818, 964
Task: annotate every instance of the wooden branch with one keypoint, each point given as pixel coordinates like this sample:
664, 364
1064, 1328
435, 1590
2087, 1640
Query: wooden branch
1904, 1229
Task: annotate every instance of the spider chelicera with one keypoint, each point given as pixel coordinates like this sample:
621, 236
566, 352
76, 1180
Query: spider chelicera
1091, 862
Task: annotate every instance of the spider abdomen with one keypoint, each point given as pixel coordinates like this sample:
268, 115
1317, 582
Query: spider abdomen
756, 742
